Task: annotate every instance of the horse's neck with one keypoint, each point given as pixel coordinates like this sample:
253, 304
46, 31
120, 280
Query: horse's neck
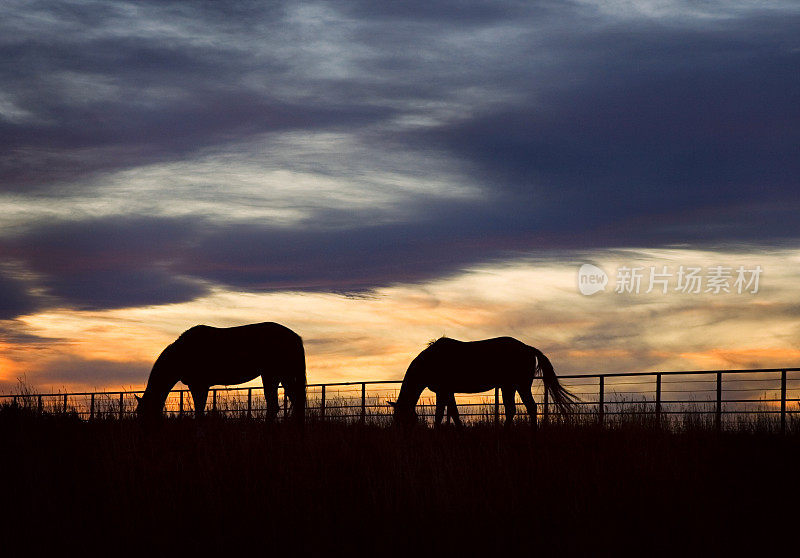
410, 392
162, 380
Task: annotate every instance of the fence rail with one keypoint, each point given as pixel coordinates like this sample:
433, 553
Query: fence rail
719, 395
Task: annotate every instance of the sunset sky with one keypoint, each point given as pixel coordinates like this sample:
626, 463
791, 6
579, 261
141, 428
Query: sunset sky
375, 175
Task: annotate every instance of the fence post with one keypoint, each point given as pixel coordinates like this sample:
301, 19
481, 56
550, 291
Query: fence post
214, 400
546, 417
497, 406
65, 403
91, 406
783, 401
658, 398
40, 406
718, 418
249, 402
121, 405
363, 402
180, 405
322, 404
285, 405
601, 409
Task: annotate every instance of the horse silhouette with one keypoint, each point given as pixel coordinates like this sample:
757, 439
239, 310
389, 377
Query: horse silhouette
204, 356
448, 366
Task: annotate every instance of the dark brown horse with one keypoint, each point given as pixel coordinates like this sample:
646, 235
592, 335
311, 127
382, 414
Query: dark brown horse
448, 367
205, 356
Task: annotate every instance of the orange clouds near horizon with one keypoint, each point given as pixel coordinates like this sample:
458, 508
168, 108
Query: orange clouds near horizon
375, 336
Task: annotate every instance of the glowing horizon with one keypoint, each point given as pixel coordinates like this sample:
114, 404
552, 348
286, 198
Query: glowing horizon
377, 177
376, 335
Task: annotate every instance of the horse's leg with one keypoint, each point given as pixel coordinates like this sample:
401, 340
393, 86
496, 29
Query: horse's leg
508, 401
270, 396
441, 400
530, 404
296, 391
453, 410
199, 396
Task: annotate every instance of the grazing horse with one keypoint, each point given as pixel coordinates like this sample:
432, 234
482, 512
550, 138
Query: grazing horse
447, 367
204, 356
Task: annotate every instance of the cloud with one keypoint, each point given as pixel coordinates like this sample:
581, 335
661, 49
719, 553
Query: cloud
16, 298
121, 262
105, 264
121, 88
655, 124
159, 152
75, 372
536, 301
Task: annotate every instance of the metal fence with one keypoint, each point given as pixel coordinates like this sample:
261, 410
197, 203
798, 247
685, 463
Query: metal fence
716, 396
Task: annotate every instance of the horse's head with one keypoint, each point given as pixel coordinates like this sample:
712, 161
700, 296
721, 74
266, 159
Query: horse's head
148, 410
403, 415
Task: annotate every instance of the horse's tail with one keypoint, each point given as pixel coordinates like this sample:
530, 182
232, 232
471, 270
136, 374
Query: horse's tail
296, 388
564, 399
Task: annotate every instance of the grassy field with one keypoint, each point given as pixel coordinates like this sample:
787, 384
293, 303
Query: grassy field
230, 485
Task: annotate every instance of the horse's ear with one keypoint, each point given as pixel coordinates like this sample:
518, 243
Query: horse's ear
138, 399
391, 403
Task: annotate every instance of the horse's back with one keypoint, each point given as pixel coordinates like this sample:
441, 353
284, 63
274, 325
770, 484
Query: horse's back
474, 366
491, 349
252, 344
233, 355
244, 335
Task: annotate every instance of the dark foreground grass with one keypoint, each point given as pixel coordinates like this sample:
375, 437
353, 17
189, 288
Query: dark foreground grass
228, 486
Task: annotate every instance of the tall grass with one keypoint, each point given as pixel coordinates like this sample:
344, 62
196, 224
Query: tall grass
226, 484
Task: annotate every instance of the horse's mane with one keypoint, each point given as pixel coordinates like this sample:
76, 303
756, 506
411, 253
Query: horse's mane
434, 341
194, 329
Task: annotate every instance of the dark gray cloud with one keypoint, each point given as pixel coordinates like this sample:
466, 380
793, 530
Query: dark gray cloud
18, 333
660, 123
112, 263
90, 93
108, 264
15, 298
581, 128
447, 13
